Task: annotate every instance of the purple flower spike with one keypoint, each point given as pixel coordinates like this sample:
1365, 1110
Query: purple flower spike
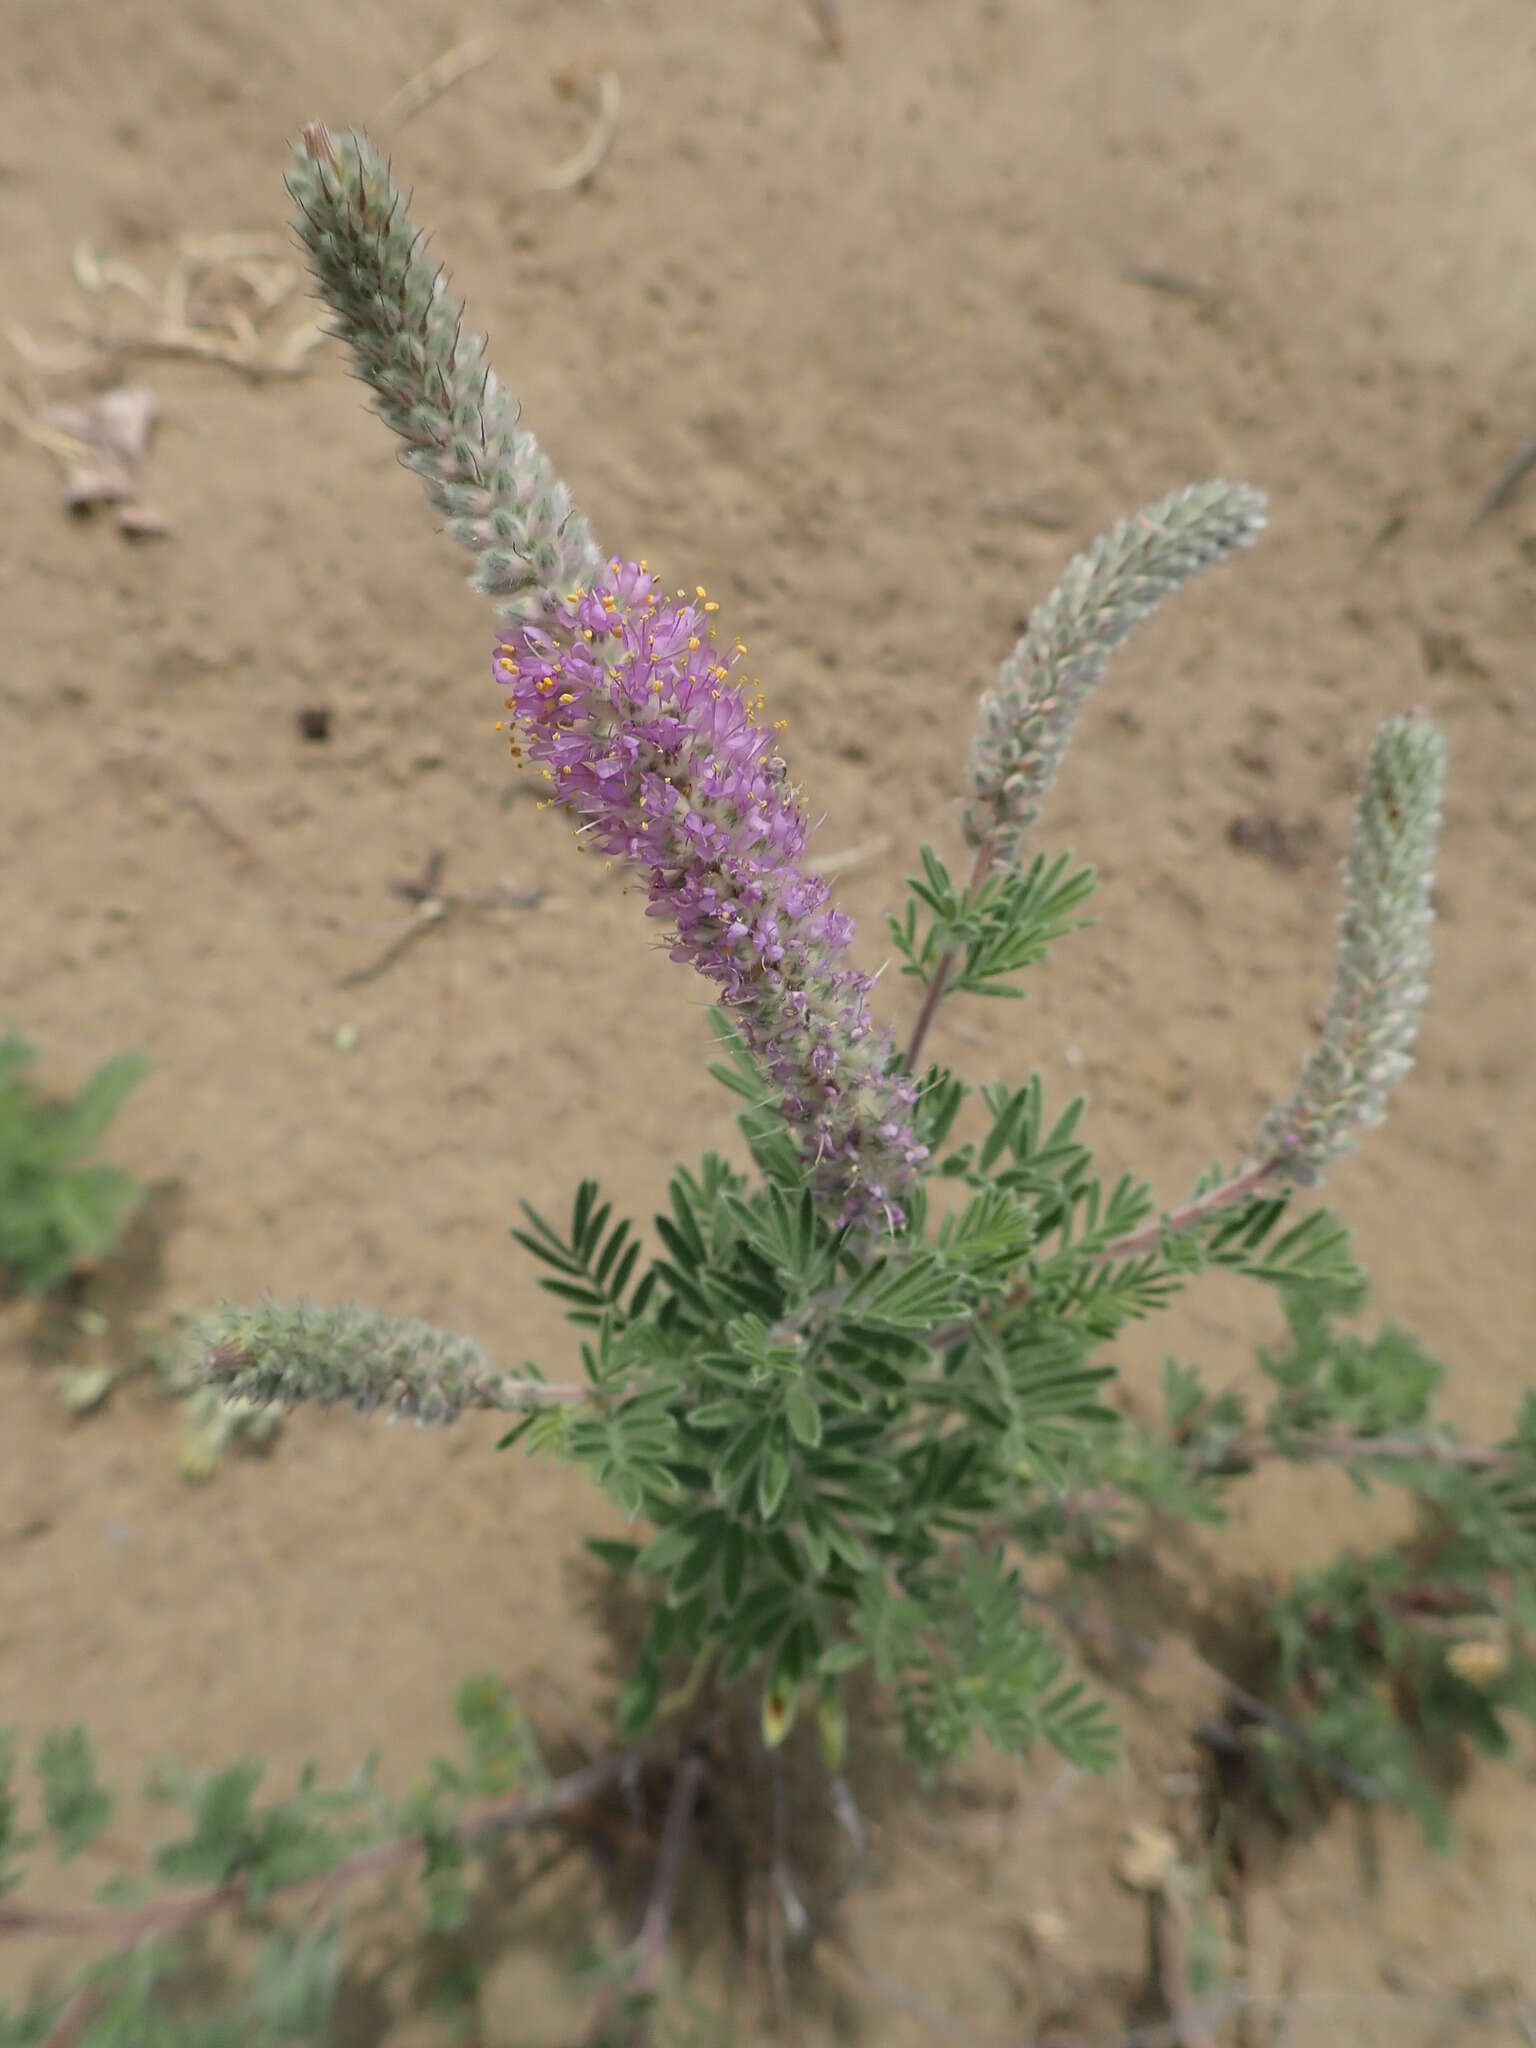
624, 703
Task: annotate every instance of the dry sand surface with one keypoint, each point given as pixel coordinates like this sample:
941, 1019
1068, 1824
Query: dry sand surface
868, 344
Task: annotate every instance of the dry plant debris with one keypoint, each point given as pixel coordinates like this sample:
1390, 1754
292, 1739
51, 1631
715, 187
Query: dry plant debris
578, 169
103, 442
1505, 485
419, 92
150, 747
216, 303
432, 904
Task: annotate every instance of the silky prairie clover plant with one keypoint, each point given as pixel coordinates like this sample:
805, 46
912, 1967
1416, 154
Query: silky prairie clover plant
825, 1394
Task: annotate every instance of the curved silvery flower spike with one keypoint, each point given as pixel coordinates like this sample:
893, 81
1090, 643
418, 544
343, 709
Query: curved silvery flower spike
1381, 974
270, 1356
492, 482
1380, 981
1028, 719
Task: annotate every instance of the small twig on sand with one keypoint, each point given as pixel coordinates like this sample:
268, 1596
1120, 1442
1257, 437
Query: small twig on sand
1505, 484
419, 92
429, 912
432, 905
1173, 282
150, 747
575, 172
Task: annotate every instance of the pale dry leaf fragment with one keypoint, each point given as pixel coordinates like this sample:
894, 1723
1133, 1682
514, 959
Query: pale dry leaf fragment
110, 433
51, 361
299, 342
575, 172
1148, 1858
139, 521
98, 274
419, 92
92, 482
117, 422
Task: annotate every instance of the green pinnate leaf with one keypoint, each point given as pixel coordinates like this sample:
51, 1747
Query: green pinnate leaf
75, 1802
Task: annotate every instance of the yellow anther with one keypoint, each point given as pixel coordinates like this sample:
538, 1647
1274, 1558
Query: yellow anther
711, 606
699, 590
693, 643
500, 725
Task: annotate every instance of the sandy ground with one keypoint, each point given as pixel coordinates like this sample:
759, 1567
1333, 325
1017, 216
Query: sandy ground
868, 346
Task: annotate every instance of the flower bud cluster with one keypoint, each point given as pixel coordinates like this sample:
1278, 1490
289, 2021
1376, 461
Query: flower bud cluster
492, 483
1028, 719
272, 1356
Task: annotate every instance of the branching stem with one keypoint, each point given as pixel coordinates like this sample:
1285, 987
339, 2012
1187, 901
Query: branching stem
128, 1927
945, 967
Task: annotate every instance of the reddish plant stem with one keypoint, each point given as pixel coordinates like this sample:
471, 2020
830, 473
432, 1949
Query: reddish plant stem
1197, 1211
946, 965
79, 2010
1247, 1182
